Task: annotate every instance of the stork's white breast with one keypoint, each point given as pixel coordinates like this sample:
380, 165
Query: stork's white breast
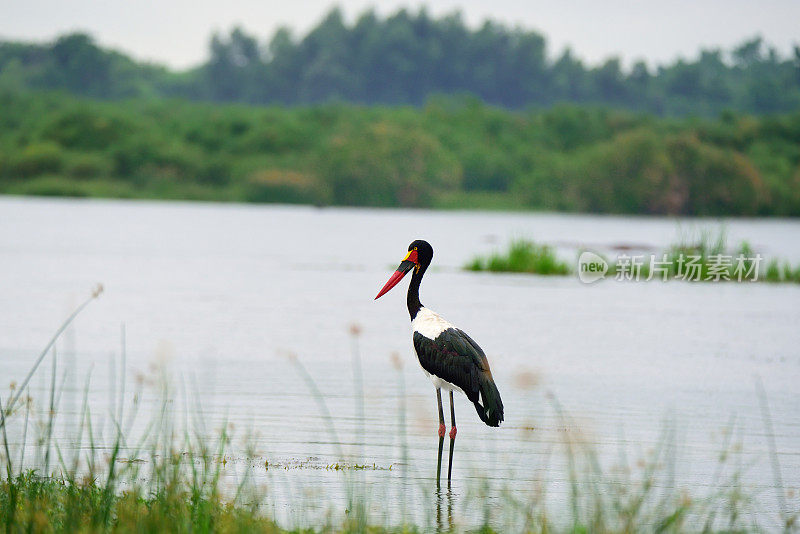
429, 323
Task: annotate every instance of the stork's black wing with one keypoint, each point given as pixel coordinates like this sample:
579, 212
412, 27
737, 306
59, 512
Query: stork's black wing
454, 357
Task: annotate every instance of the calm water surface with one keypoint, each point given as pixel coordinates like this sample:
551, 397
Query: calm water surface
224, 296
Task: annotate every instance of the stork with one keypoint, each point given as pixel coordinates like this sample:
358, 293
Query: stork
450, 358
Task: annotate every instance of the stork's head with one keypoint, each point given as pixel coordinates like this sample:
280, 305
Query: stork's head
420, 254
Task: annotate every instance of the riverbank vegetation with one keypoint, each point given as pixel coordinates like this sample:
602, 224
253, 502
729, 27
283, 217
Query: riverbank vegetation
518, 128
452, 152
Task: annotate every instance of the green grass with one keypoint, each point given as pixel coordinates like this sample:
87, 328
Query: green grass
33, 503
782, 272
712, 257
522, 257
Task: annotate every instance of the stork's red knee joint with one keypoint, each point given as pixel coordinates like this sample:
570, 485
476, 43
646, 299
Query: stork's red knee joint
442, 430
453, 433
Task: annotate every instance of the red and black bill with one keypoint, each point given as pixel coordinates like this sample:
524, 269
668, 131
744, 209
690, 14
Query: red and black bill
408, 263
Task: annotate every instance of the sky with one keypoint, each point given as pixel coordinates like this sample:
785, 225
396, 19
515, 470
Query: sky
176, 32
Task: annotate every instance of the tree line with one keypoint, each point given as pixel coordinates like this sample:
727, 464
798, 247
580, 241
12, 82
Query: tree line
406, 58
450, 152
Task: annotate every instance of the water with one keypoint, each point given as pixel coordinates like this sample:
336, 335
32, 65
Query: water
223, 296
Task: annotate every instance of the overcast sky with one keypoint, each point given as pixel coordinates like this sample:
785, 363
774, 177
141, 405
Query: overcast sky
176, 32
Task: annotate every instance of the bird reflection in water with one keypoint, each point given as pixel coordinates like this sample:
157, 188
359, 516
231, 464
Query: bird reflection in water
444, 500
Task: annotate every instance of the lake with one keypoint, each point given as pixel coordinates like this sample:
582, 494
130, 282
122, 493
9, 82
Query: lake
227, 299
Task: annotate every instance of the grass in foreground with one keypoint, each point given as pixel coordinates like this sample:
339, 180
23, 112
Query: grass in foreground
178, 486
33, 503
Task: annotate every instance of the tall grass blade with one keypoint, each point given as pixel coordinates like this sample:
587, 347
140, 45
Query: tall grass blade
13, 400
766, 418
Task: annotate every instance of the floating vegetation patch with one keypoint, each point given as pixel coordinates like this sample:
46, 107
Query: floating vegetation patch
315, 463
523, 256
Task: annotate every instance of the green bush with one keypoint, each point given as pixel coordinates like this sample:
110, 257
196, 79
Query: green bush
717, 181
50, 186
277, 135
384, 164
5, 166
215, 172
487, 170
86, 128
88, 165
632, 173
133, 154
37, 159
275, 185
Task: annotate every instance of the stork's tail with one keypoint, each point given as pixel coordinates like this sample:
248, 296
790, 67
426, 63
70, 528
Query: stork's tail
489, 405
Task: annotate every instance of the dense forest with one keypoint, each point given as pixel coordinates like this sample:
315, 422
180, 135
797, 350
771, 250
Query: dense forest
450, 152
405, 59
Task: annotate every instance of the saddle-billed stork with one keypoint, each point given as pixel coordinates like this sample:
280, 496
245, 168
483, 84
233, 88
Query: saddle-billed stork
450, 358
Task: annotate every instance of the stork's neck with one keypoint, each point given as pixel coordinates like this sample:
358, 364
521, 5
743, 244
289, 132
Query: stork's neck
413, 292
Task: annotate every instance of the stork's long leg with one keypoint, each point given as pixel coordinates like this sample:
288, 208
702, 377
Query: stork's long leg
441, 435
453, 432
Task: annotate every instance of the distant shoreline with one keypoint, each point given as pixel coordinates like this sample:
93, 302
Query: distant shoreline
451, 154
